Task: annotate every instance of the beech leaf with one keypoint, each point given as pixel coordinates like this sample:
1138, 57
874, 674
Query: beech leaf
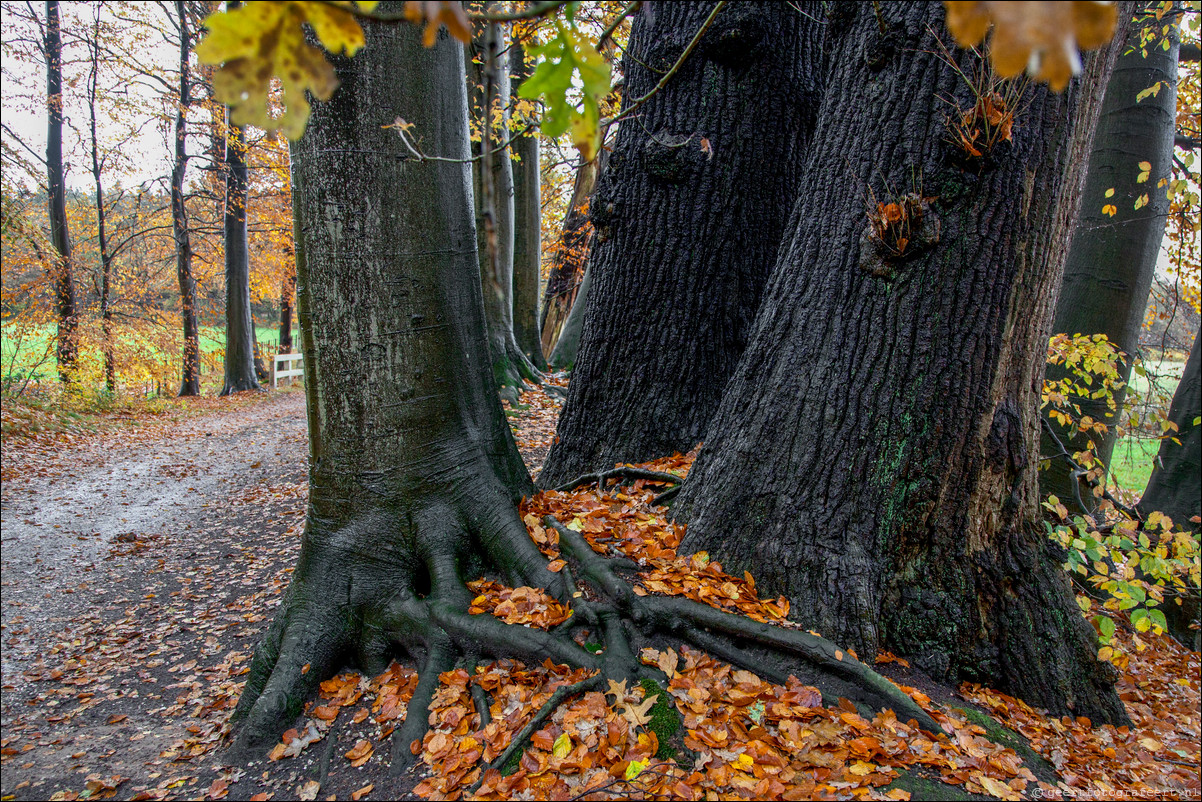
1042, 38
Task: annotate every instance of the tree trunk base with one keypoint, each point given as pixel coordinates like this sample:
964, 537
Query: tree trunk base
357, 599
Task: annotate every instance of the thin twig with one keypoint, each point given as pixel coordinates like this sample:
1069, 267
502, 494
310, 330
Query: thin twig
613, 26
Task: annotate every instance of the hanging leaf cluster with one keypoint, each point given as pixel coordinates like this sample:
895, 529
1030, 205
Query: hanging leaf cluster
570, 64
258, 41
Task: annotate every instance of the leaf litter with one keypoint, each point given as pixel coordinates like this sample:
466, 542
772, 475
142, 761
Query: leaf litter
744, 737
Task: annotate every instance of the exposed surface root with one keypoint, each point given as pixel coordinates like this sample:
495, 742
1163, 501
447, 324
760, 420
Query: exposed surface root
561, 695
628, 473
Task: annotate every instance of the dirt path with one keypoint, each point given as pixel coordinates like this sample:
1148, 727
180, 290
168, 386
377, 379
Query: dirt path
139, 571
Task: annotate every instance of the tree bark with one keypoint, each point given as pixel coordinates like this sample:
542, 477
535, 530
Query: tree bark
62, 277
493, 193
412, 465
1174, 487
527, 230
190, 382
688, 218
240, 350
874, 454
1112, 259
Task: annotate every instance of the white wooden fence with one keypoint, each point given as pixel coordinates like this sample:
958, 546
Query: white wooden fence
289, 368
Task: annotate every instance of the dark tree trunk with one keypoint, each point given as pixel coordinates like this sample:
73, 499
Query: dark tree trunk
567, 344
190, 382
102, 241
1112, 260
527, 228
413, 473
62, 277
570, 255
1175, 487
688, 219
240, 351
493, 193
875, 454
287, 291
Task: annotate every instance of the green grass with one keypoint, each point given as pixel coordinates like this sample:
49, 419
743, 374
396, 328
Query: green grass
31, 347
1131, 462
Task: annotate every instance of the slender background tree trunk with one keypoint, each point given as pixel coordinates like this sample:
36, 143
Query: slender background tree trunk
240, 349
287, 292
688, 218
570, 255
190, 383
493, 184
62, 277
875, 454
102, 240
527, 228
1113, 257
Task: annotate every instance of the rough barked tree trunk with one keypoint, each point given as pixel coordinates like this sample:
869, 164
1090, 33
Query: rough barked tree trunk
527, 226
1175, 487
493, 193
413, 473
62, 275
190, 381
875, 454
570, 254
688, 218
1112, 260
240, 352
567, 344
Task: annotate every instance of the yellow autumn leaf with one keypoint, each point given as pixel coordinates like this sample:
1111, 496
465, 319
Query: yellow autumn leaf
634, 769
258, 41
1042, 38
1110, 210
998, 788
563, 745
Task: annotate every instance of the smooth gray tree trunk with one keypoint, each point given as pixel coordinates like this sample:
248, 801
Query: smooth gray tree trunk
494, 204
240, 350
1112, 259
62, 274
527, 226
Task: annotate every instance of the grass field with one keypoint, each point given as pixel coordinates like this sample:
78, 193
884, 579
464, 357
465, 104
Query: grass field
31, 347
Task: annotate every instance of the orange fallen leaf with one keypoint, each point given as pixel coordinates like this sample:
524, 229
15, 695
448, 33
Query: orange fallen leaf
362, 792
360, 753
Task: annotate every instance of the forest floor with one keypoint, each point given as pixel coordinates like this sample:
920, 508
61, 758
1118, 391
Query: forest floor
142, 562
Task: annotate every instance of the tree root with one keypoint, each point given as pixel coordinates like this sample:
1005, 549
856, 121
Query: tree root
561, 695
837, 673
341, 608
627, 472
